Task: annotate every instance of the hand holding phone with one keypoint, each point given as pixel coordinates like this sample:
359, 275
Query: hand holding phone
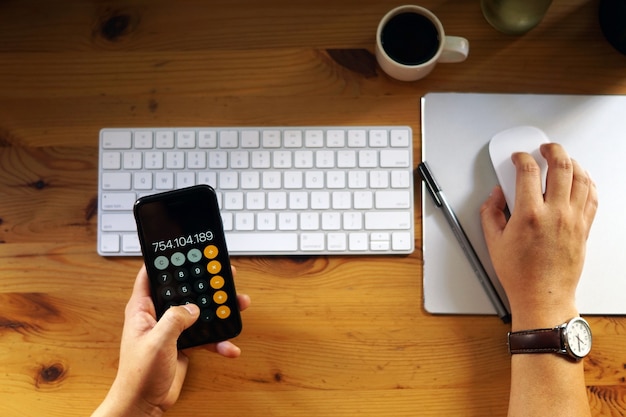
184, 249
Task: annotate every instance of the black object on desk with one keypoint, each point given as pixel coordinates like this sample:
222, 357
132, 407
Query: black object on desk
612, 15
440, 201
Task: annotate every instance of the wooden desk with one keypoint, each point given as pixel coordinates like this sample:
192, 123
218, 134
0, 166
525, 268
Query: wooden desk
326, 336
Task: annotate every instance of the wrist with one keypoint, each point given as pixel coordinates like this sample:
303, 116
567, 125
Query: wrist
117, 404
541, 317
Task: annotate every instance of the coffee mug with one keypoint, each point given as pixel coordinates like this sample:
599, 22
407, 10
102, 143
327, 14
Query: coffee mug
410, 41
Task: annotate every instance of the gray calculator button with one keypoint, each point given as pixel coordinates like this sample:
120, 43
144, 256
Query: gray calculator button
194, 255
178, 259
161, 262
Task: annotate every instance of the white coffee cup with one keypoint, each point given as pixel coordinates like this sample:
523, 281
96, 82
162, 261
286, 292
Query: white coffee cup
410, 41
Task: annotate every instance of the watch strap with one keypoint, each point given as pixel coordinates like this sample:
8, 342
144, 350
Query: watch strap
536, 341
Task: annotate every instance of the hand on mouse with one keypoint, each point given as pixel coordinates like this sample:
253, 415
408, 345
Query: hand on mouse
151, 369
539, 254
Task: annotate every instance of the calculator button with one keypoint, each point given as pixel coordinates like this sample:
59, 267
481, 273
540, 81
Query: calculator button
194, 255
178, 259
204, 300
220, 297
184, 289
181, 274
223, 312
200, 286
217, 282
168, 293
214, 267
165, 277
207, 315
197, 271
161, 262
211, 251
186, 301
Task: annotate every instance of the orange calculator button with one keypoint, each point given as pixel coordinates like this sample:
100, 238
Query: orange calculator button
223, 312
217, 282
214, 267
211, 251
220, 297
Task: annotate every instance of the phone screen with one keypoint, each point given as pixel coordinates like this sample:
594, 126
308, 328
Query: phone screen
184, 249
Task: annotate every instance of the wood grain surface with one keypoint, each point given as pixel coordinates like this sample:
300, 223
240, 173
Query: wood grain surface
325, 336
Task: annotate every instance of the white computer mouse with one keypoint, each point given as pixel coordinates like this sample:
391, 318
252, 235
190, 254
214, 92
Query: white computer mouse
504, 144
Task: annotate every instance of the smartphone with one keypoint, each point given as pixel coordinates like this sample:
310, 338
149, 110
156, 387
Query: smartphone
184, 249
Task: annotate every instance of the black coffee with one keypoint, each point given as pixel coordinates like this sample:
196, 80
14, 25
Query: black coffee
410, 38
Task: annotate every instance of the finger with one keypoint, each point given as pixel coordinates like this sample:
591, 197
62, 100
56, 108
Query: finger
591, 206
228, 349
174, 321
141, 287
140, 299
528, 190
225, 348
581, 186
243, 300
560, 173
492, 215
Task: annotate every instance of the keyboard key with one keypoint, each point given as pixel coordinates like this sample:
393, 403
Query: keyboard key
186, 139
357, 138
250, 139
130, 243
346, 159
116, 140
111, 160
142, 181
153, 160
229, 139
393, 199
116, 181
378, 138
335, 138
263, 242
394, 158
196, 160
400, 179
293, 138
314, 138
401, 241
113, 222
271, 139
337, 242
110, 243
400, 138
118, 201
207, 139
132, 160
392, 220
143, 139
164, 181
165, 139
358, 241
266, 221
312, 242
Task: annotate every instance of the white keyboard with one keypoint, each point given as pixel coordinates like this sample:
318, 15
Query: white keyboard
282, 190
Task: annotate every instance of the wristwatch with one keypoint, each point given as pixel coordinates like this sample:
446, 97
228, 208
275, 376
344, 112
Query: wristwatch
572, 338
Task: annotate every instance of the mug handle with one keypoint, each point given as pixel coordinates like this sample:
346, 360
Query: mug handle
455, 49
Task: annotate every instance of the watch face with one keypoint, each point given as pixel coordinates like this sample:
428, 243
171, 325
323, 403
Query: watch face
578, 337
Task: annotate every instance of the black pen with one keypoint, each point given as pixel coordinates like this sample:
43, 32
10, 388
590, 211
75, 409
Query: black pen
440, 201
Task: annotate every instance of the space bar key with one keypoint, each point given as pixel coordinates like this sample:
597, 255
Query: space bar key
262, 242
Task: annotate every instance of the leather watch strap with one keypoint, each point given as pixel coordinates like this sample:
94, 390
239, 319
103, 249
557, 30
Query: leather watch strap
535, 341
